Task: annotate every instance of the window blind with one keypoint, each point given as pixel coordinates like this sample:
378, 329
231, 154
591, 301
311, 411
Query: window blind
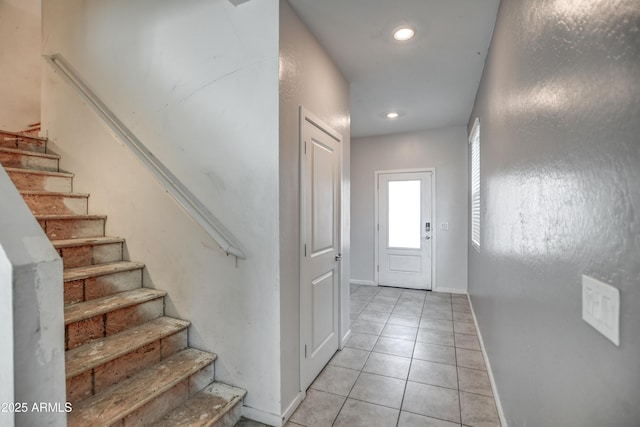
474, 140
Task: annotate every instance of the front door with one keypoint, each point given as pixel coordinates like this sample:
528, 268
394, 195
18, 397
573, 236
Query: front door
405, 229
320, 246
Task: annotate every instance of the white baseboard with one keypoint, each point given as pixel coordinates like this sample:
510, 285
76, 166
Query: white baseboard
262, 416
450, 290
362, 282
273, 419
494, 388
292, 407
345, 338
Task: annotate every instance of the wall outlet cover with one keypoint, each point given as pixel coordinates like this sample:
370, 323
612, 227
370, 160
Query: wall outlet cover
601, 307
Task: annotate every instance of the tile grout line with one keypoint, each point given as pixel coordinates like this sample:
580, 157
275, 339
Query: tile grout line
360, 371
406, 383
412, 358
457, 371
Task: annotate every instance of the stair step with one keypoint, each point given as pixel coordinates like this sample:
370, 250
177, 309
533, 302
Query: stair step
88, 356
89, 309
13, 158
166, 383
23, 141
72, 226
97, 270
96, 281
31, 179
102, 317
95, 366
54, 203
89, 251
218, 404
33, 129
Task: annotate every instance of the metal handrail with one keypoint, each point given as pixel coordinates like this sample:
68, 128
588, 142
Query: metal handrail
189, 202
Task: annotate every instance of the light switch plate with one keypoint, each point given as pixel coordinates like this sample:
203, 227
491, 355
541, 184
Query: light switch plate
444, 226
601, 307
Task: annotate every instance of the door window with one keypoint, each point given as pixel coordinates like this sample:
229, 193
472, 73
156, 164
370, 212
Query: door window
404, 214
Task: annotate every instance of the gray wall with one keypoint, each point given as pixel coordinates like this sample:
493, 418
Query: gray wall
442, 149
308, 77
559, 106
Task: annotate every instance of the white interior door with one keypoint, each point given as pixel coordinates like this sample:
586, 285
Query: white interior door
405, 229
320, 247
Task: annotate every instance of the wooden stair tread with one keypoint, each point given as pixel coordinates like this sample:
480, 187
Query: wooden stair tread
205, 408
39, 172
52, 193
106, 408
69, 216
87, 309
79, 273
84, 241
30, 153
21, 135
96, 353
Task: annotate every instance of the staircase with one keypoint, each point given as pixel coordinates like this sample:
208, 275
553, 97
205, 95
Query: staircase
126, 362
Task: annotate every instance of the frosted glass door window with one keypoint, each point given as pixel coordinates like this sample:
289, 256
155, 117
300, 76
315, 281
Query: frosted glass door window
404, 214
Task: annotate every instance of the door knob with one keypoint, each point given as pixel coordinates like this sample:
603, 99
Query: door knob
427, 237
338, 257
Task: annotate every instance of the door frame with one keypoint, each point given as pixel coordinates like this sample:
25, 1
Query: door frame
306, 116
376, 223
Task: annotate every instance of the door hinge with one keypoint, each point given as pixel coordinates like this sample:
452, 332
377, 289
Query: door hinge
378, 227
305, 249
378, 268
305, 147
305, 351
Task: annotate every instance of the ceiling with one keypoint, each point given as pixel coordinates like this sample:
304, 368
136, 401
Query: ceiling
431, 80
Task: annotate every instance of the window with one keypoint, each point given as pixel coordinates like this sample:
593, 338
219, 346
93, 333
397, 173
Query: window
474, 141
404, 214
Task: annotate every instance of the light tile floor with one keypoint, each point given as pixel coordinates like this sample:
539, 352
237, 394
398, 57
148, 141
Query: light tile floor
413, 359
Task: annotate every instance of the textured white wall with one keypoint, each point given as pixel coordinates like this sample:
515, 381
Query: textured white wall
19, 63
197, 82
308, 77
32, 317
6, 337
446, 151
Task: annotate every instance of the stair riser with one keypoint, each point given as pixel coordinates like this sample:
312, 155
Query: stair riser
22, 144
78, 333
101, 286
103, 376
230, 418
25, 161
163, 404
73, 228
32, 132
169, 400
55, 204
81, 256
217, 405
36, 182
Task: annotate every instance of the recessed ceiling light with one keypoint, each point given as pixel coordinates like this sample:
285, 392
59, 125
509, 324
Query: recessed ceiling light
392, 115
404, 33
